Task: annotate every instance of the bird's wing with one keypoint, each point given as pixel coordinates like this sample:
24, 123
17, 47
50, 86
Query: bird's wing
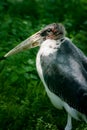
66, 76
81, 55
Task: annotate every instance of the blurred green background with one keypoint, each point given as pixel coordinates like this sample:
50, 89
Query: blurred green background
24, 104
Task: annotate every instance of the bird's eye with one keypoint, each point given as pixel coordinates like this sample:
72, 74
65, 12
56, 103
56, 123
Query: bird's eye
45, 32
49, 30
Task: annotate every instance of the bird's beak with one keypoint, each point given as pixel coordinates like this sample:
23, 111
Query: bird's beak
30, 42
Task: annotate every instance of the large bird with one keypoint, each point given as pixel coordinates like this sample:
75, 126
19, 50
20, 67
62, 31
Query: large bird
62, 68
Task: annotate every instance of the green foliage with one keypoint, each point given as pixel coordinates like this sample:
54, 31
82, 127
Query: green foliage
23, 101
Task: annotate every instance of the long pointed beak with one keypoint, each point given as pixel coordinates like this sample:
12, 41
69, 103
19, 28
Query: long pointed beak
30, 42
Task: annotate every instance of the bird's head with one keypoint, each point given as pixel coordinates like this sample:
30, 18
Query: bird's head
53, 31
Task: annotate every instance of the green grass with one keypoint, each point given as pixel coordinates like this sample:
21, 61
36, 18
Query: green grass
24, 104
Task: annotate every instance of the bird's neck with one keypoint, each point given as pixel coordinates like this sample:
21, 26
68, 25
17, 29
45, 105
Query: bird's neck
51, 43
50, 46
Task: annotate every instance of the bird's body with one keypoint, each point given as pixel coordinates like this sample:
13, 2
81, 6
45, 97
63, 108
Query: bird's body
61, 73
62, 68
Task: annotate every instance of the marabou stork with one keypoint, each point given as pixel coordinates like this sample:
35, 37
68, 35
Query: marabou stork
62, 68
